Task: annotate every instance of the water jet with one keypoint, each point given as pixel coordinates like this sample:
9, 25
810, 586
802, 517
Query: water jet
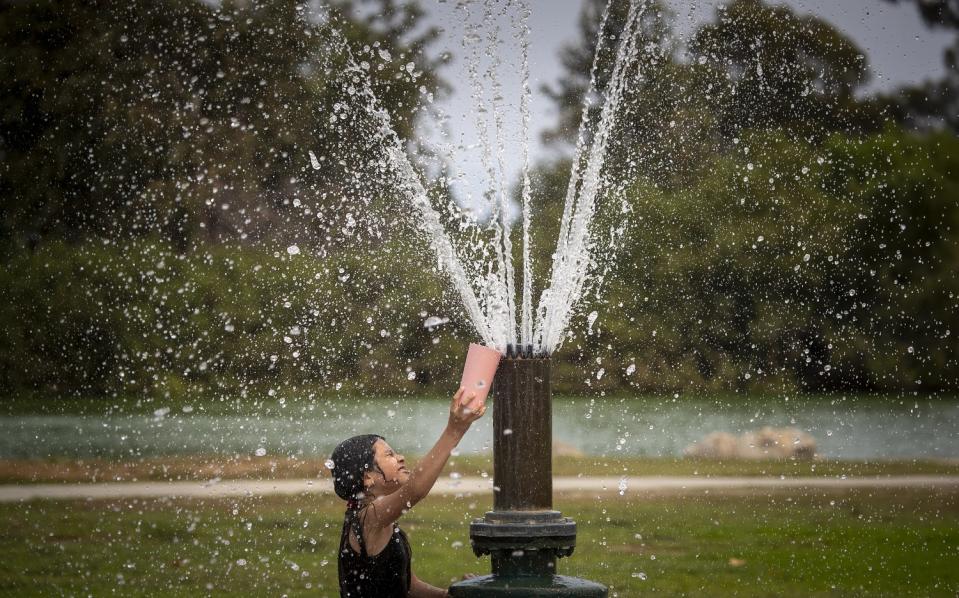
523, 534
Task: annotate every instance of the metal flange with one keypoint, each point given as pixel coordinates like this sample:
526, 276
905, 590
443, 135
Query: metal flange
523, 530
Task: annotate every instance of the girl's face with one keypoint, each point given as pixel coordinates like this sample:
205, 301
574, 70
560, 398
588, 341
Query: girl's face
391, 473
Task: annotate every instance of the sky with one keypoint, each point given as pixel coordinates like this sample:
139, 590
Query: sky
899, 47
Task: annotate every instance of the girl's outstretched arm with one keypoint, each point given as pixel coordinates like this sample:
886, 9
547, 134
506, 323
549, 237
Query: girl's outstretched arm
387, 509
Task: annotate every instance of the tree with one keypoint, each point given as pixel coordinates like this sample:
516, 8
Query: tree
933, 104
815, 266
770, 68
942, 13
769, 156
186, 118
653, 99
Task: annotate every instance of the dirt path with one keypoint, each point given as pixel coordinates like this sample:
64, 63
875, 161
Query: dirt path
637, 485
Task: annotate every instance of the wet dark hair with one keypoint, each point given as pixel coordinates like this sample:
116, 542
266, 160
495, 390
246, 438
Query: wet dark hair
351, 459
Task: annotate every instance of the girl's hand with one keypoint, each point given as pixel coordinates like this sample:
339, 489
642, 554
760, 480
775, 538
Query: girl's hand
460, 416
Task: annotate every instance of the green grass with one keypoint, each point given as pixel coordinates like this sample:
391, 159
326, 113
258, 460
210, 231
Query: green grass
205, 467
669, 466
824, 543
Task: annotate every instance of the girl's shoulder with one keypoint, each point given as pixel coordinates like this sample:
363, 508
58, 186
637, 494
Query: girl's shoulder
376, 539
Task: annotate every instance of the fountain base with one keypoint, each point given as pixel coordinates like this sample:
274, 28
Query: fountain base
524, 546
552, 585
516, 532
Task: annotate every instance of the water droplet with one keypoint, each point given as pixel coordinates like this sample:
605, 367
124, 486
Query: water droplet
293, 250
434, 321
590, 320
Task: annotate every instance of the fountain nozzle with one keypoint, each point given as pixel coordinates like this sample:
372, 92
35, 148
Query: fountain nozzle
521, 352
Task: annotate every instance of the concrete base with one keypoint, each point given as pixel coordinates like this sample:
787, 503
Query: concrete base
552, 585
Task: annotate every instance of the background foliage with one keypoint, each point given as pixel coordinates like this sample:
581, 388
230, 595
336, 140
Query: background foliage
791, 232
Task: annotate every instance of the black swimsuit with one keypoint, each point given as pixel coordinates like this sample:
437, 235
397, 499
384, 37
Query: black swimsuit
383, 575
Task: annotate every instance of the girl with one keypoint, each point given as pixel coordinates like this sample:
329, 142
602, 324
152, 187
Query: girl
374, 557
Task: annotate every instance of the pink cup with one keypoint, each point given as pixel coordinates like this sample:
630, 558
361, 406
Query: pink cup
481, 363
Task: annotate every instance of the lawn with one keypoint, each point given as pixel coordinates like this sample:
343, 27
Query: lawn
827, 543
205, 467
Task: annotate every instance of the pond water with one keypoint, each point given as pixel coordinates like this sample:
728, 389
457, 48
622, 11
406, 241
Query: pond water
843, 428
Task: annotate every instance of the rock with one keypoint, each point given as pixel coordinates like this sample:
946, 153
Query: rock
562, 449
715, 445
765, 443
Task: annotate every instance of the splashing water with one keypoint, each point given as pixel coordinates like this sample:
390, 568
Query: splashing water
483, 275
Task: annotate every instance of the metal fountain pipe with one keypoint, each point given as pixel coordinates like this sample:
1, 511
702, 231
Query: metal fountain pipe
522, 433
523, 535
